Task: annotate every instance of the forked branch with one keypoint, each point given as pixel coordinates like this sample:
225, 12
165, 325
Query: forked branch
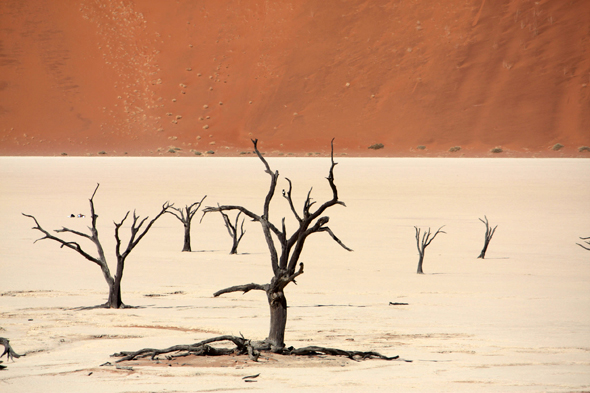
587, 241
488, 237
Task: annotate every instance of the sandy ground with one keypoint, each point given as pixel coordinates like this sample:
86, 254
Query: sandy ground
518, 321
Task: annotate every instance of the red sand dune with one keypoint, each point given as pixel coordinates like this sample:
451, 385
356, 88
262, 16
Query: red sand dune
144, 77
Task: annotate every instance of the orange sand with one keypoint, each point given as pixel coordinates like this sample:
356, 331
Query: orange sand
133, 77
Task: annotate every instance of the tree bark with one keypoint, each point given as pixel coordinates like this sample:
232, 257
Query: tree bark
420, 264
278, 320
187, 238
115, 299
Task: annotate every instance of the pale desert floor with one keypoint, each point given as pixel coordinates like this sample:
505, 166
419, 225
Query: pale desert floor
518, 321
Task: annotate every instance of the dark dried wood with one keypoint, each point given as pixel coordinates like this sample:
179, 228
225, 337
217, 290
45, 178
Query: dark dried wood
587, 241
185, 215
488, 237
137, 233
424, 242
244, 347
8, 351
285, 258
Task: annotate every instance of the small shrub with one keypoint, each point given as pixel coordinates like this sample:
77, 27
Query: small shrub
421, 147
377, 146
102, 152
64, 154
455, 149
171, 150
198, 153
557, 146
583, 148
210, 152
497, 150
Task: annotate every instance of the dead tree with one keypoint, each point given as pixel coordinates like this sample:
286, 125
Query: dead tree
284, 269
587, 241
424, 242
8, 351
232, 229
489, 234
185, 215
137, 233
284, 266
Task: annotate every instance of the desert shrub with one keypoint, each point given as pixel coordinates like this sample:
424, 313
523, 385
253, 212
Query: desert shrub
421, 147
377, 146
454, 149
557, 146
497, 150
210, 152
102, 152
198, 153
583, 148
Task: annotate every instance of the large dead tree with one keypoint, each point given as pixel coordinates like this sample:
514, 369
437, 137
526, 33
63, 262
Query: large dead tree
185, 215
284, 261
423, 242
489, 234
285, 271
587, 241
137, 233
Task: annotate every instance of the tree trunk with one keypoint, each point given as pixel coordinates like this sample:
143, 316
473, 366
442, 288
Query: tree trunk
420, 264
482, 255
187, 238
278, 320
115, 300
234, 248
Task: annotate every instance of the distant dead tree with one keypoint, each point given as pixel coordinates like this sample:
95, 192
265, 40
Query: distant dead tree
114, 283
587, 241
285, 271
232, 229
423, 242
8, 351
185, 215
489, 234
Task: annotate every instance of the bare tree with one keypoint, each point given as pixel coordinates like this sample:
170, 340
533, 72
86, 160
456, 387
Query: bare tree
284, 266
114, 282
285, 272
185, 215
232, 229
489, 234
424, 242
587, 241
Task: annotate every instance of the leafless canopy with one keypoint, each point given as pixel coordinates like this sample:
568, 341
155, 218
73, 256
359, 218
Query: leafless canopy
489, 234
423, 242
185, 215
137, 233
310, 221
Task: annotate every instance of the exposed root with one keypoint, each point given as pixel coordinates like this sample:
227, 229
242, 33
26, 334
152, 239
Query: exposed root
244, 346
8, 351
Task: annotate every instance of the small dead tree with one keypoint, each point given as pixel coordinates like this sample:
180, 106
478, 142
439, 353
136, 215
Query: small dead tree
232, 229
489, 234
424, 242
185, 215
284, 266
587, 241
137, 233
